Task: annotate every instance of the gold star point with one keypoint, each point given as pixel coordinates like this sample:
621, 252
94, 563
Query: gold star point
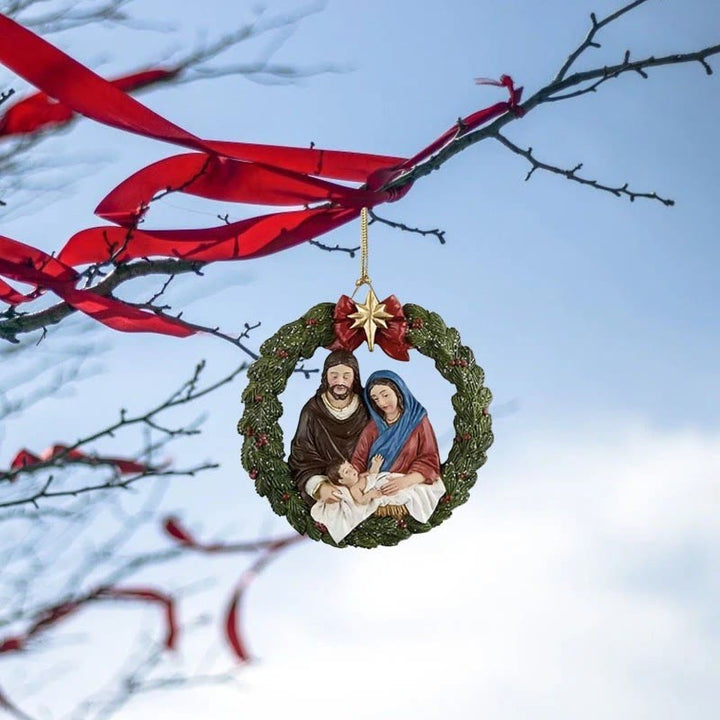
370, 316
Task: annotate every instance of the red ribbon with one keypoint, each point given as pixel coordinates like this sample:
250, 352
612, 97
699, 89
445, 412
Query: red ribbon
391, 339
39, 111
228, 171
28, 264
271, 548
55, 614
153, 596
184, 537
24, 458
232, 615
241, 240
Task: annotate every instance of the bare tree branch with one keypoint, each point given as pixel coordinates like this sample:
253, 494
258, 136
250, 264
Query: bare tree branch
350, 251
571, 174
134, 681
194, 65
439, 234
600, 75
67, 15
46, 493
20, 390
19, 323
188, 392
586, 82
589, 40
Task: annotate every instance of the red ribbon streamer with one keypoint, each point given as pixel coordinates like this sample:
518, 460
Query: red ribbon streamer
178, 532
55, 614
172, 527
237, 172
241, 240
28, 264
391, 339
473, 121
39, 111
184, 537
74, 85
153, 596
24, 458
232, 615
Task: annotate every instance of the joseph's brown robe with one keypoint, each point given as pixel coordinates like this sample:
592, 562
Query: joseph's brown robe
322, 439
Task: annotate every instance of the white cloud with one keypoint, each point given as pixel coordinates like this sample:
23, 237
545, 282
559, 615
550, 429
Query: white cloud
579, 581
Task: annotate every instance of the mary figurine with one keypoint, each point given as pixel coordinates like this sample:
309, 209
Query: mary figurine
399, 431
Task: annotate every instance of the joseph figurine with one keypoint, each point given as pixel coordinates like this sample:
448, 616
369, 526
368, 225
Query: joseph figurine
329, 426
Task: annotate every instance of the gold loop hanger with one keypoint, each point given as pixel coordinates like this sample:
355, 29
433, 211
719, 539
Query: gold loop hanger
364, 278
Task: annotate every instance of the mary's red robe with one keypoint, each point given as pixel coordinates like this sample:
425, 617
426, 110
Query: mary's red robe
419, 454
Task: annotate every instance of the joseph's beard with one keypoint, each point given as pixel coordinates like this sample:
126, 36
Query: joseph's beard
339, 392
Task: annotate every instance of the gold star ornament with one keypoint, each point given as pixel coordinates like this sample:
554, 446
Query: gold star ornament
370, 316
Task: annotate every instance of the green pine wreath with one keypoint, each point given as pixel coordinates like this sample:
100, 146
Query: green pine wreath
263, 453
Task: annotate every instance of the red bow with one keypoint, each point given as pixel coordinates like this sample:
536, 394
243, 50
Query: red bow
391, 338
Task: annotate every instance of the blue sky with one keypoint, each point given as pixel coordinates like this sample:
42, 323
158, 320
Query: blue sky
578, 580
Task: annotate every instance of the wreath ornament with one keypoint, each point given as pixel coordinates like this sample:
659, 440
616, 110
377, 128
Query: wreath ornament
396, 329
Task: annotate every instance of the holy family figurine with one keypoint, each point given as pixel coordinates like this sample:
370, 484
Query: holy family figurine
360, 451
363, 468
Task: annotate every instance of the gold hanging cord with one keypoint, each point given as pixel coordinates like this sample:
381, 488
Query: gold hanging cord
364, 278
371, 315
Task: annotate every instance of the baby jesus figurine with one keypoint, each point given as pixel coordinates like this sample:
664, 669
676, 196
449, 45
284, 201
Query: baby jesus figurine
360, 485
359, 495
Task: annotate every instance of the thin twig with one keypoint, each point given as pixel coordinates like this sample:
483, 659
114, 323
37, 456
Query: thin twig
439, 234
571, 174
350, 251
46, 494
545, 95
188, 392
589, 40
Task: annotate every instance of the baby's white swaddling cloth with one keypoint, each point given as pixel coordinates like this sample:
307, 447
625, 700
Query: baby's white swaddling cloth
341, 517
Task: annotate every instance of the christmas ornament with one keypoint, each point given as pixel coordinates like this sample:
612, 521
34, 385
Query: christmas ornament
363, 467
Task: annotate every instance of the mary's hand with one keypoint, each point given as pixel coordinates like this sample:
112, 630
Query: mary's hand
402, 482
